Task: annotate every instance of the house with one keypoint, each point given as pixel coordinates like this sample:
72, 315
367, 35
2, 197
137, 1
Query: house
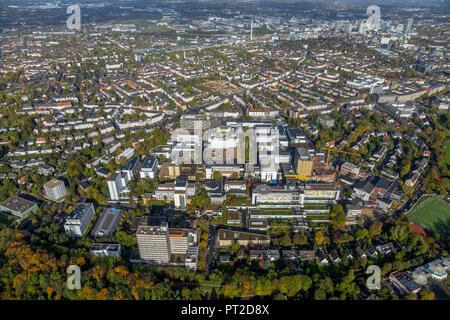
335, 257
360, 253
386, 248
307, 255
371, 251
240, 254
273, 255
289, 254
258, 254
225, 257
321, 258
347, 254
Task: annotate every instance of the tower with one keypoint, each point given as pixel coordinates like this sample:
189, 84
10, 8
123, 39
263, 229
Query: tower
251, 30
409, 25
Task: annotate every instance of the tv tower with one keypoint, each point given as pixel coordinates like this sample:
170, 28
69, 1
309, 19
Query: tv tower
251, 30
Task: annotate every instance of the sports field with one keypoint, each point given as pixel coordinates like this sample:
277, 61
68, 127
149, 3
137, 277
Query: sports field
447, 155
434, 216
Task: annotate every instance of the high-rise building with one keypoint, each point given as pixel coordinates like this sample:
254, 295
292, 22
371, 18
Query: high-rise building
409, 25
78, 220
159, 244
118, 180
114, 185
153, 243
178, 241
55, 190
303, 162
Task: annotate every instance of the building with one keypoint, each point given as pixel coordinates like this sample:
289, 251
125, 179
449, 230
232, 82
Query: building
235, 187
353, 214
18, 206
181, 240
78, 219
321, 257
404, 282
149, 167
226, 238
160, 245
114, 185
291, 195
131, 168
107, 223
234, 217
307, 255
296, 136
153, 243
55, 190
303, 162
126, 154
105, 250
326, 121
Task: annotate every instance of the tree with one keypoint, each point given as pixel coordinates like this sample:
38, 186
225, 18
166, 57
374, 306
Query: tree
318, 238
375, 228
426, 295
320, 295
217, 176
361, 234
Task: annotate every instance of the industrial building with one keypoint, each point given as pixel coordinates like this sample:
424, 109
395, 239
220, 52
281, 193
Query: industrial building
18, 206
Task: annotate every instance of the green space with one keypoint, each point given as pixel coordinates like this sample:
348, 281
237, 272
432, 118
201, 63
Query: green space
318, 206
434, 216
447, 153
7, 219
276, 211
318, 217
421, 200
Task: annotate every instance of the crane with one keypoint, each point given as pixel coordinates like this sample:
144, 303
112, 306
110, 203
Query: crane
336, 150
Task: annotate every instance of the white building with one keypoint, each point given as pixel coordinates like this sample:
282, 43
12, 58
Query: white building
153, 243
78, 220
149, 167
55, 190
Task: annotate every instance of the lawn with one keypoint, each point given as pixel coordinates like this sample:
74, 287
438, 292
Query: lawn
422, 199
434, 216
447, 155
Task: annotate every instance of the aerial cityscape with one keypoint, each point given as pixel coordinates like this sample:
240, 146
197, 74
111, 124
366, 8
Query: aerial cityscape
214, 150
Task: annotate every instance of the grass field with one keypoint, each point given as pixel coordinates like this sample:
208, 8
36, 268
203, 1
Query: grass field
434, 216
447, 155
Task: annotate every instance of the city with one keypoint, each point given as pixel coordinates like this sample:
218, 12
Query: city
235, 150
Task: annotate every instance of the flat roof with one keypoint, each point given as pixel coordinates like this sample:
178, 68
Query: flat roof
407, 281
53, 183
17, 204
148, 162
130, 164
79, 211
108, 222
